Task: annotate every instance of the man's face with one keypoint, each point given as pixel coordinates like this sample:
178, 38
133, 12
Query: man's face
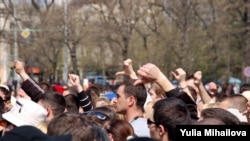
121, 102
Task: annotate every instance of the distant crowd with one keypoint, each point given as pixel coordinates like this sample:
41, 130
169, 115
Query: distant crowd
144, 106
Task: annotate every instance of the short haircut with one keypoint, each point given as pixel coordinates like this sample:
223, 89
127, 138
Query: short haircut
138, 91
77, 125
72, 103
219, 113
236, 101
170, 112
55, 101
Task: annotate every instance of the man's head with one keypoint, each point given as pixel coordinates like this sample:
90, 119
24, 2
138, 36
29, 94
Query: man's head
168, 113
54, 103
30, 133
236, 101
130, 96
77, 125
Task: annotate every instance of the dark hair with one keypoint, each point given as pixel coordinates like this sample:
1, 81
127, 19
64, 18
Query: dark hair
1, 107
170, 112
55, 101
71, 89
7, 94
209, 121
139, 92
77, 125
99, 133
93, 92
72, 103
45, 86
244, 87
224, 115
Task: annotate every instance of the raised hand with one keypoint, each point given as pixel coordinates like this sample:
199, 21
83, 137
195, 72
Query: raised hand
179, 74
197, 78
128, 69
75, 81
19, 67
151, 73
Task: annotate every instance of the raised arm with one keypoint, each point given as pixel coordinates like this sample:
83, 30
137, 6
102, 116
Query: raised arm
180, 76
151, 73
202, 91
85, 101
28, 85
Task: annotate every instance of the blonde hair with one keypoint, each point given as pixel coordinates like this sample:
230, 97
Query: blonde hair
211, 105
104, 99
149, 109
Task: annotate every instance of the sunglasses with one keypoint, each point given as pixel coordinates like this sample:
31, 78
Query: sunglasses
149, 122
98, 115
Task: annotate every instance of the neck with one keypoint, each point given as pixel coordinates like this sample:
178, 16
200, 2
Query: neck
133, 113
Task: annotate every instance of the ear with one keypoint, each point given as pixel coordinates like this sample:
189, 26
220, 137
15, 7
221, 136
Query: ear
131, 100
162, 130
49, 112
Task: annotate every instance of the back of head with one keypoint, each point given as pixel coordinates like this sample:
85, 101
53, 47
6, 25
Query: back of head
55, 101
235, 101
210, 121
224, 115
94, 92
77, 125
72, 103
170, 112
139, 92
30, 133
119, 129
70, 90
45, 86
99, 133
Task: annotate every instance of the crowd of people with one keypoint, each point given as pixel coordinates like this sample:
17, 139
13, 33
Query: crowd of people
146, 106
